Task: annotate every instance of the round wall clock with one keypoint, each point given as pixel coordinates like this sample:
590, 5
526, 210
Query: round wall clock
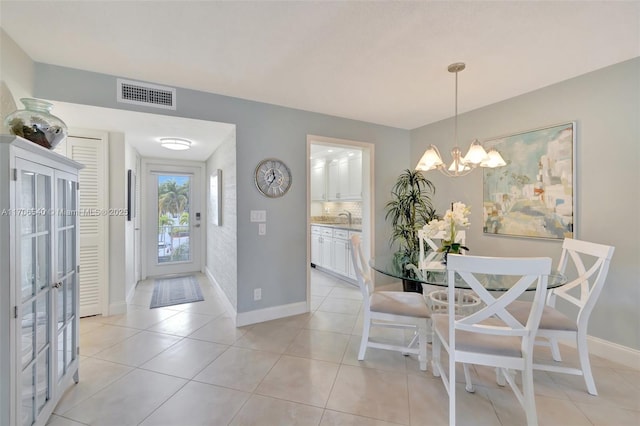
273, 177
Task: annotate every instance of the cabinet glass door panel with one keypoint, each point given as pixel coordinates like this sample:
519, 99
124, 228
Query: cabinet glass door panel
28, 268
27, 397
28, 334
41, 321
42, 380
43, 261
67, 225
33, 207
42, 203
27, 203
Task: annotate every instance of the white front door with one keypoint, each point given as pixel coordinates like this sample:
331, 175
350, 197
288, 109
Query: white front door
173, 214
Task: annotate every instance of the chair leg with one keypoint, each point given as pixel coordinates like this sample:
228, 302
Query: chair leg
585, 364
435, 357
500, 381
467, 378
452, 390
422, 347
529, 396
365, 337
555, 350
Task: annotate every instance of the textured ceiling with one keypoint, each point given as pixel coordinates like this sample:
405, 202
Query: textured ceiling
381, 62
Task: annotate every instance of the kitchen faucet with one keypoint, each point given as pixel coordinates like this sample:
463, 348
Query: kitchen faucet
346, 214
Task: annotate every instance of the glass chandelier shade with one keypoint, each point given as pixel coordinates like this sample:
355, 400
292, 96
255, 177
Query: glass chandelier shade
460, 165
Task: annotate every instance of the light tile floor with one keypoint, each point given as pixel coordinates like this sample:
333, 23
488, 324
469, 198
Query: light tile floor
187, 365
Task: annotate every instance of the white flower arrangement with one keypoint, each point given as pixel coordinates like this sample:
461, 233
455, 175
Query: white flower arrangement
454, 219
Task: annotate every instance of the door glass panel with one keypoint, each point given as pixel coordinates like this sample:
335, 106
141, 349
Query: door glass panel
28, 327
41, 320
27, 395
174, 223
28, 264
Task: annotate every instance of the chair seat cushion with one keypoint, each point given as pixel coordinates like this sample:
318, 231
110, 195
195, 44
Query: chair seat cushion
476, 342
399, 303
552, 319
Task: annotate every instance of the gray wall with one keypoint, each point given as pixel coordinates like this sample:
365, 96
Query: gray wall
276, 262
222, 242
605, 105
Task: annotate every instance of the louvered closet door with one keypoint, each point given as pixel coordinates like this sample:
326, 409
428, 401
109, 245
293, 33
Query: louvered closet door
93, 224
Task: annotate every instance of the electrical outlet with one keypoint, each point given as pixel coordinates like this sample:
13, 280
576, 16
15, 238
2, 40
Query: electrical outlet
257, 294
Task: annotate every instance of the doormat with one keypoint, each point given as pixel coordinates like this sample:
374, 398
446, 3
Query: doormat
175, 291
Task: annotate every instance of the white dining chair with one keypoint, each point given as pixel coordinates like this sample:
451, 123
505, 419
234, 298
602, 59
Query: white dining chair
581, 292
491, 336
395, 309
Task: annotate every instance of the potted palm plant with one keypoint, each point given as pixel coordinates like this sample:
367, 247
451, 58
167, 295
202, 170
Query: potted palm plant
408, 211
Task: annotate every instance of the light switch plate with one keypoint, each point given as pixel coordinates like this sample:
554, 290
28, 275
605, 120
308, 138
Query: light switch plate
258, 216
262, 229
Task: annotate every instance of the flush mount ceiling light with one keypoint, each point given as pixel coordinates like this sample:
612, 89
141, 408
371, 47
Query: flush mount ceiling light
460, 166
175, 144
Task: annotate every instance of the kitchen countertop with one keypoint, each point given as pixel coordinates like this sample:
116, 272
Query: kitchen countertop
354, 227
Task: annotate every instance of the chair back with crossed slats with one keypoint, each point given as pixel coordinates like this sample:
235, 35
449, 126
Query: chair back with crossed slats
590, 281
429, 245
531, 271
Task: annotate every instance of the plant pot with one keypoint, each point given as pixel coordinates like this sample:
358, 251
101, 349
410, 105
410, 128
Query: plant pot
414, 286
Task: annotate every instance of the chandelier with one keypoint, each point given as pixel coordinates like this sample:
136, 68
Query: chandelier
461, 165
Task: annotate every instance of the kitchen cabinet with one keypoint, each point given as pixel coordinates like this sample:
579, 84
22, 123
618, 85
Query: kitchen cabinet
316, 245
318, 182
327, 249
341, 245
39, 283
331, 251
345, 178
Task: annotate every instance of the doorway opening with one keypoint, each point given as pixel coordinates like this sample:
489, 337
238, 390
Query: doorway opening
339, 205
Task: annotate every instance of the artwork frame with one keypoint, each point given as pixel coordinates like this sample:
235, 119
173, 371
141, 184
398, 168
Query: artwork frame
534, 195
131, 195
215, 194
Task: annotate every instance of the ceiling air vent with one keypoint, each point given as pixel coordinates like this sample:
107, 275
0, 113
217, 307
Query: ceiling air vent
135, 92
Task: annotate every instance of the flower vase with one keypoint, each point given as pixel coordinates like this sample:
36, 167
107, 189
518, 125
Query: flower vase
36, 123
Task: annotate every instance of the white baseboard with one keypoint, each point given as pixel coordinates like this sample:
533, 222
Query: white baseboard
117, 308
611, 351
258, 315
271, 313
614, 352
131, 293
231, 310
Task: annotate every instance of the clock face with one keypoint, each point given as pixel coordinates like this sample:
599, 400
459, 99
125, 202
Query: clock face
273, 178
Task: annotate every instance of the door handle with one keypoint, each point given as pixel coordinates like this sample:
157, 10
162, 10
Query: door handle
197, 225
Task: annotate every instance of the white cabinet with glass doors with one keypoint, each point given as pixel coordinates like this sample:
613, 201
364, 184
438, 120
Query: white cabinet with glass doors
39, 283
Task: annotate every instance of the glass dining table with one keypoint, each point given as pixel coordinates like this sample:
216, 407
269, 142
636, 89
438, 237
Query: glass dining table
435, 273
